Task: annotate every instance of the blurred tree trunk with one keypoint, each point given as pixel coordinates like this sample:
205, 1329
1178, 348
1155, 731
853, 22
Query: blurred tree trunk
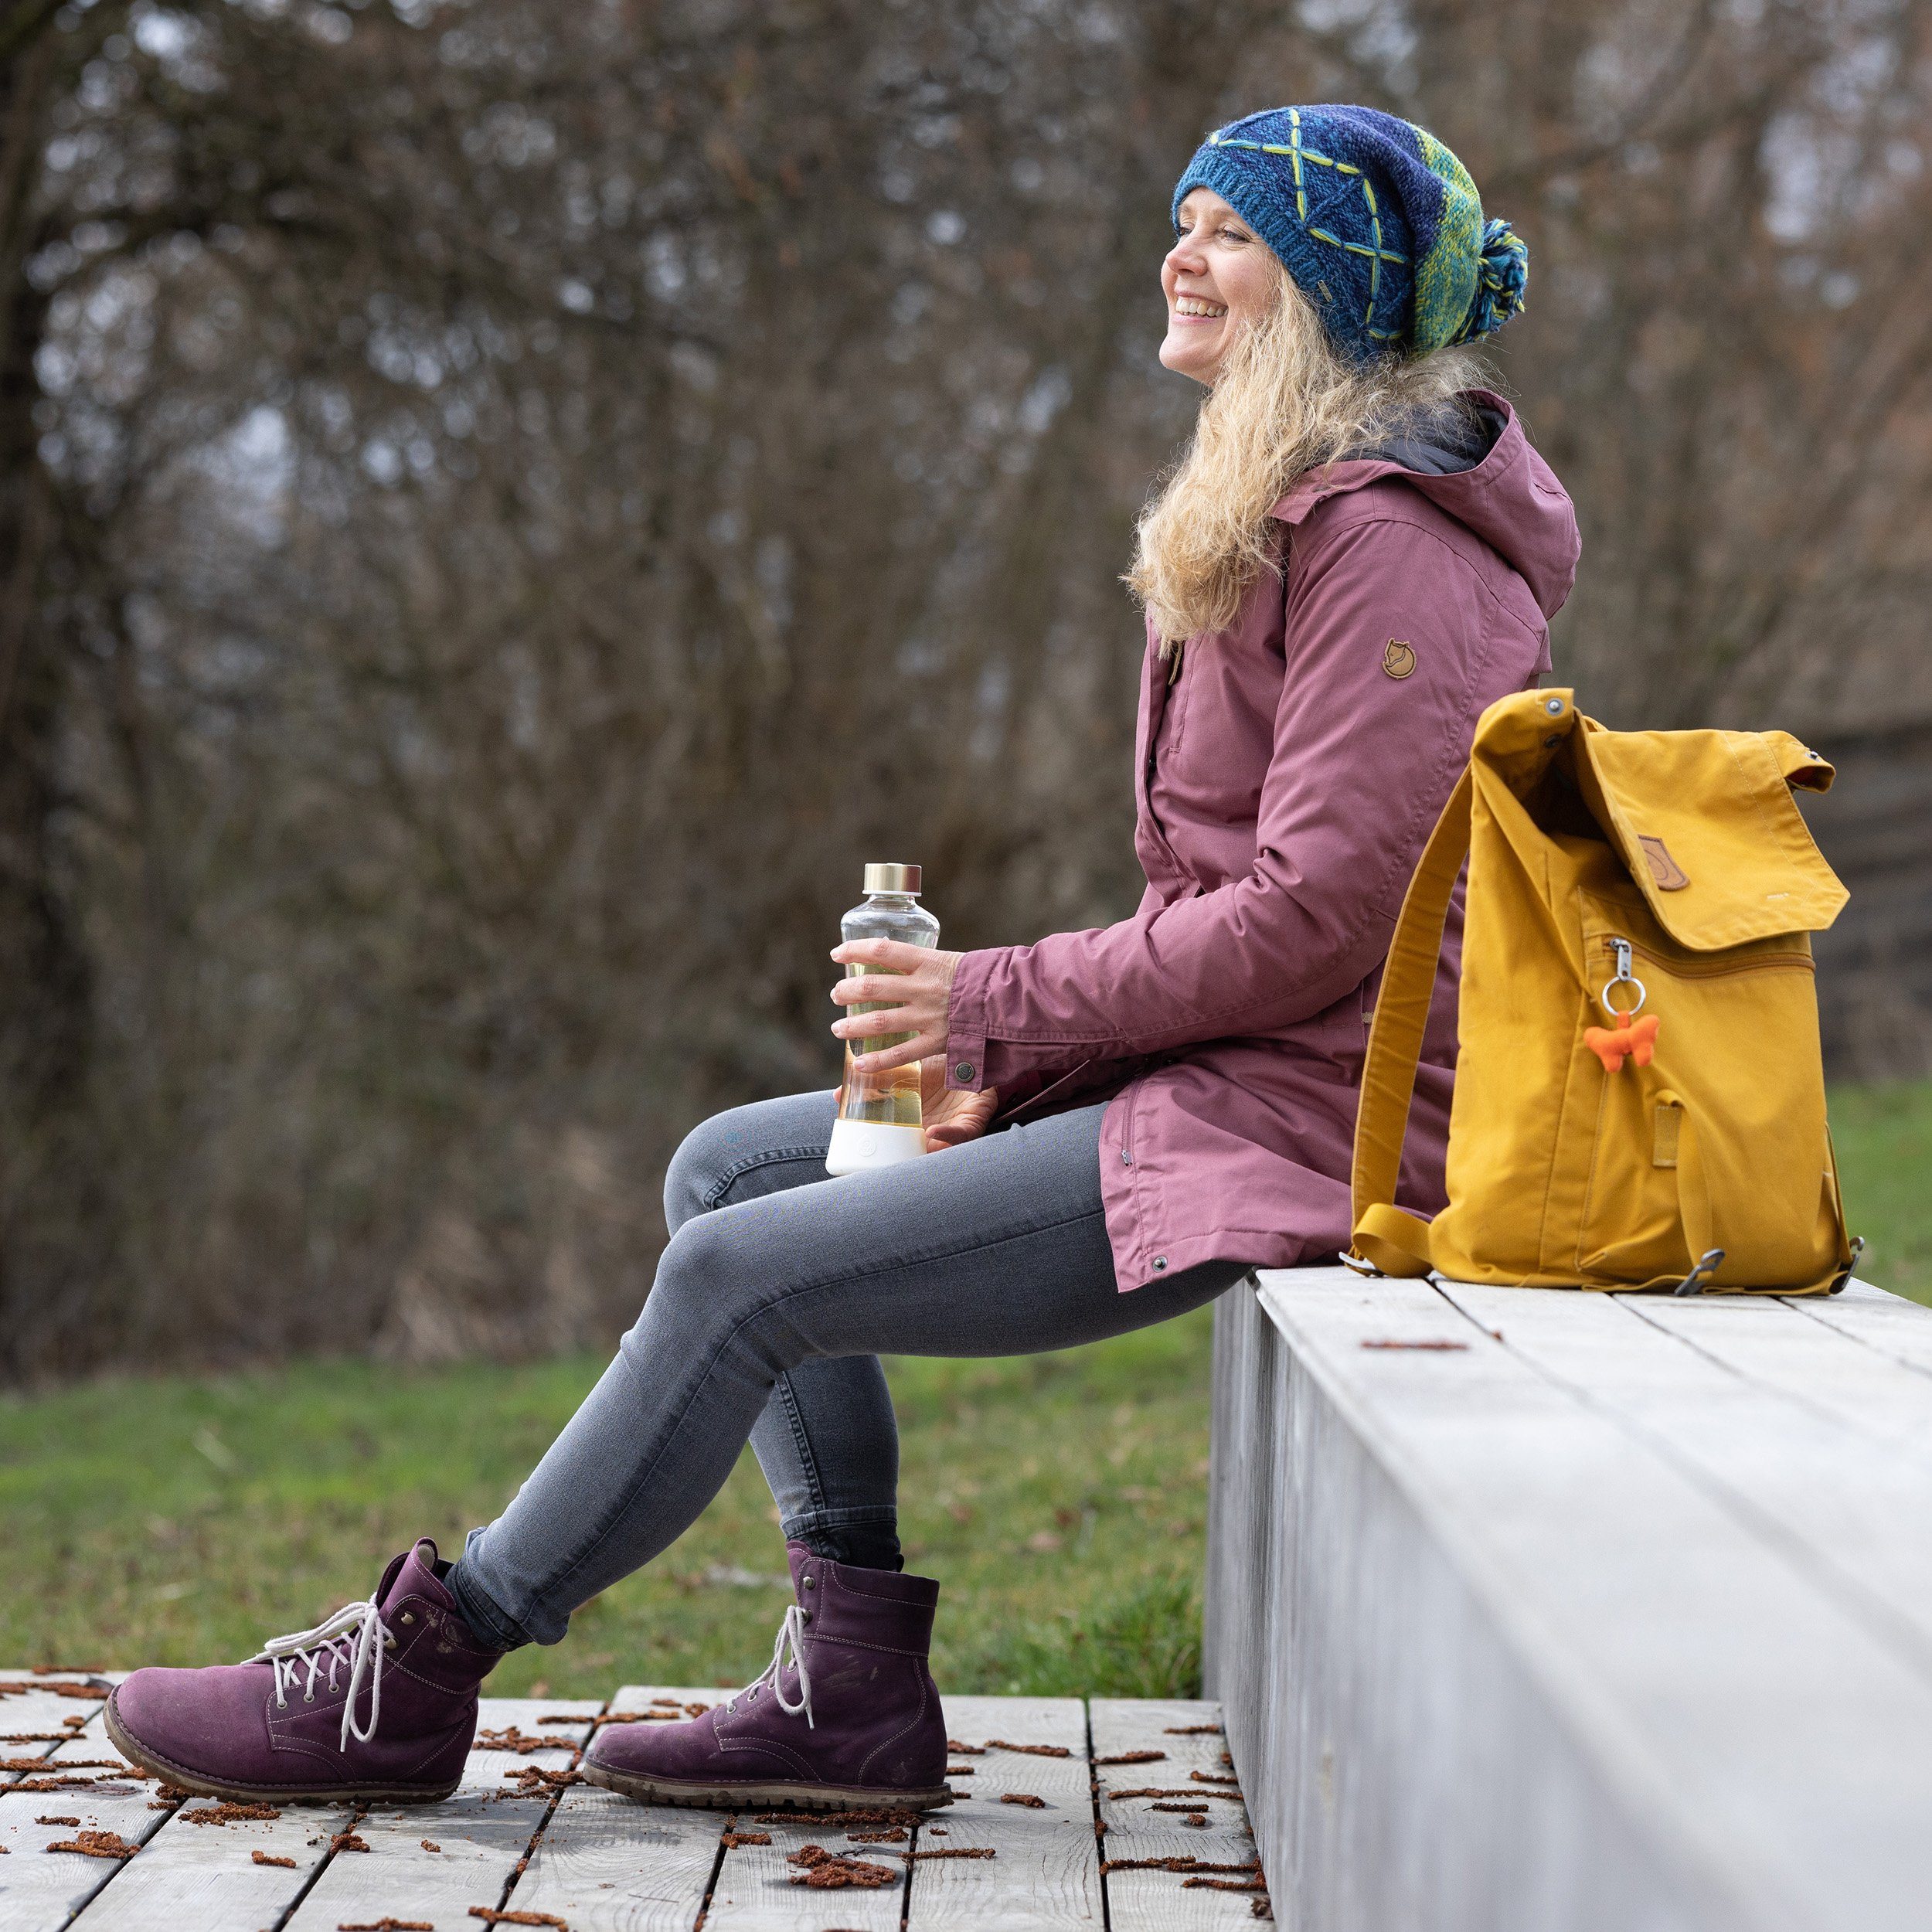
45, 1013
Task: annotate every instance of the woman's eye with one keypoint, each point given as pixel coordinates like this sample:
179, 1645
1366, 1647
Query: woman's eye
1232, 235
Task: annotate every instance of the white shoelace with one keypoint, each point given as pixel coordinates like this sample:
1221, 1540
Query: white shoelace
356, 1636
791, 1632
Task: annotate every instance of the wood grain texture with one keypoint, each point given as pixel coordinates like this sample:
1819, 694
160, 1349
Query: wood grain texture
1154, 1901
1240, 1663
1793, 1467
1044, 1872
41, 1890
1888, 1323
754, 1892
27, 1707
1816, 1366
480, 1833
1546, 1673
205, 1875
606, 1863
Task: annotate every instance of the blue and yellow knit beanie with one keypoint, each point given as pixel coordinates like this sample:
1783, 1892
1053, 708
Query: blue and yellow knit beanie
1378, 223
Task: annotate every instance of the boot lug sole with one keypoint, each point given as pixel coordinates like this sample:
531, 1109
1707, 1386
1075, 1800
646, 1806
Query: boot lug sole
696, 1793
199, 1785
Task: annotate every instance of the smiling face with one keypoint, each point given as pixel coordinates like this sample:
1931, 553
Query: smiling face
1219, 277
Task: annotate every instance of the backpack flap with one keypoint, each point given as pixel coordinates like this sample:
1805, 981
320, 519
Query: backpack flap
1705, 823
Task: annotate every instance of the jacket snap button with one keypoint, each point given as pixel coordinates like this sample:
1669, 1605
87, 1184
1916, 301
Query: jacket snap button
964, 1071
1554, 707
1160, 1262
808, 1582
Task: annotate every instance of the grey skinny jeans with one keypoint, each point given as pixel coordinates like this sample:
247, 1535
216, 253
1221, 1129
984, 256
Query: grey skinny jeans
778, 1292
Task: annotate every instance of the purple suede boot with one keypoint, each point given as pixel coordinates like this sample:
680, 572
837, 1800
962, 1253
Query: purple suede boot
853, 1719
377, 1703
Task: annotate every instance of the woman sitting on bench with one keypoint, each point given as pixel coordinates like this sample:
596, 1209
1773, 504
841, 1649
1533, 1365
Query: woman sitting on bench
1358, 553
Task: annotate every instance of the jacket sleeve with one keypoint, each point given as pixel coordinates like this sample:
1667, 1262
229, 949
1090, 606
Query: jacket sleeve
1362, 762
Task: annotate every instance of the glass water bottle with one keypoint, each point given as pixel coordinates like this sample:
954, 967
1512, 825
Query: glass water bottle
879, 1119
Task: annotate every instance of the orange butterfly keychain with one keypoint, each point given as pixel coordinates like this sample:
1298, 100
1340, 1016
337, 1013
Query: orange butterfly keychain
1630, 1038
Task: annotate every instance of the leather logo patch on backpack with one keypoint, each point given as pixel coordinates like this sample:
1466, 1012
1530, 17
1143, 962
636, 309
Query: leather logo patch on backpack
1670, 876
1399, 657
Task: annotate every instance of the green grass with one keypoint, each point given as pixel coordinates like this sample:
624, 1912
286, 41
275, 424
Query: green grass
1059, 1497
1884, 1140
173, 1520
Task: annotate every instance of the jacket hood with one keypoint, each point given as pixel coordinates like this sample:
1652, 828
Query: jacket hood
1506, 494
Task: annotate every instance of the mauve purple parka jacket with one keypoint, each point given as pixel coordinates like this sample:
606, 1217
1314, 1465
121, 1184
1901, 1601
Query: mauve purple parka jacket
1285, 783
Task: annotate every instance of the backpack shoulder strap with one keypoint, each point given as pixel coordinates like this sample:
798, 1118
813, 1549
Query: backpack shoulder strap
1394, 1242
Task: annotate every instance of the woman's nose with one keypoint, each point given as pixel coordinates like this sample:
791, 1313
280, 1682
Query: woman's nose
1184, 258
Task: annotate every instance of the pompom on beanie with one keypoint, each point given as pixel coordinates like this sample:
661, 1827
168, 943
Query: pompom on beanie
1377, 221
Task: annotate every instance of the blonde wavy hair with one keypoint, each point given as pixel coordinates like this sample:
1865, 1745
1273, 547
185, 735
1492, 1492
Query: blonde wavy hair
1285, 402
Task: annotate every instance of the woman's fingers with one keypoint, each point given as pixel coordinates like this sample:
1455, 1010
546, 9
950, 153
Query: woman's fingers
870, 991
915, 1049
966, 1118
894, 1019
894, 953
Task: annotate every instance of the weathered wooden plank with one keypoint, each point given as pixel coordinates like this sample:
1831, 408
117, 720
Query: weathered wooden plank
1889, 1323
1543, 1678
1194, 1761
35, 1719
1241, 1522
603, 1861
606, 1863
41, 1890
1045, 1871
207, 1875
1246, 1661
1797, 1474
435, 1861
754, 1892
1766, 1340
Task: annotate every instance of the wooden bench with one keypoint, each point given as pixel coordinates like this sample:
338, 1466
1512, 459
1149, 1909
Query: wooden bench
1543, 1609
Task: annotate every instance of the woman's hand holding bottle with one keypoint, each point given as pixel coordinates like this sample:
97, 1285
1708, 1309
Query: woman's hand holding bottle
915, 1000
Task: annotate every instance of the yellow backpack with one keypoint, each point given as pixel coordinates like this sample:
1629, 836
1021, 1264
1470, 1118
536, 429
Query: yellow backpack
1639, 1097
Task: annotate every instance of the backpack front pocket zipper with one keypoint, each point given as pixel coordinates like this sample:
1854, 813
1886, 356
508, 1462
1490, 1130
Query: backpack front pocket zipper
1621, 950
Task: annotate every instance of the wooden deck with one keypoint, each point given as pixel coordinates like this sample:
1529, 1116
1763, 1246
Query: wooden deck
1061, 1837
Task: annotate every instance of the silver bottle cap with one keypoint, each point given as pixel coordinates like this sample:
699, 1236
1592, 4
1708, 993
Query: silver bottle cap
891, 878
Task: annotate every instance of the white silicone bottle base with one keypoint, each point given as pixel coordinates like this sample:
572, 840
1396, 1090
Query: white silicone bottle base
858, 1146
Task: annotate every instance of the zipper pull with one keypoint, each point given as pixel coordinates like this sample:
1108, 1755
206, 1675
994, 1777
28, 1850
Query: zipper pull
1622, 1015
